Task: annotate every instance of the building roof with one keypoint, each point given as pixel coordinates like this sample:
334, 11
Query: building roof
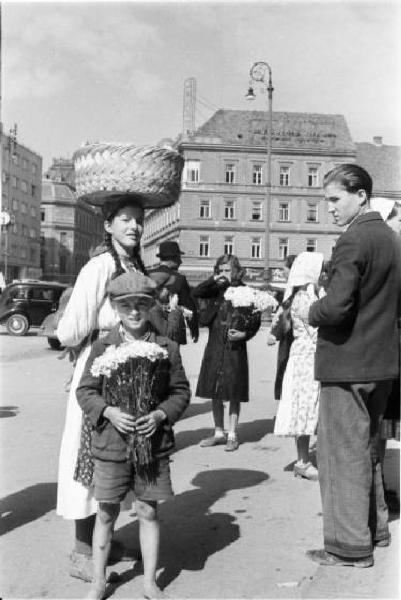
383, 164
310, 131
57, 191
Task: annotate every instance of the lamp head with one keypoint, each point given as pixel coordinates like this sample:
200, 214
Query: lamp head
250, 95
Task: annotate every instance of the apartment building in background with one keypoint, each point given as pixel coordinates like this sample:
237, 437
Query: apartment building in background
21, 182
222, 207
62, 169
70, 229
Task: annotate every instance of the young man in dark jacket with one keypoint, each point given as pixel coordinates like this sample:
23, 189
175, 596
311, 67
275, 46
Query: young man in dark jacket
116, 471
357, 359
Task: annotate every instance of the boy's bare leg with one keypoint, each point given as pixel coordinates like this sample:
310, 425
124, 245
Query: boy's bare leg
105, 520
149, 534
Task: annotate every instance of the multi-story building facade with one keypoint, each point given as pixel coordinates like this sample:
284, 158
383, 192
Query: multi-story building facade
62, 169
20, 202
70, 229
383, 163
222, 207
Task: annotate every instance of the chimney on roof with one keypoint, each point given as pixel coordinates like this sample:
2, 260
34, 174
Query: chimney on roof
378, 140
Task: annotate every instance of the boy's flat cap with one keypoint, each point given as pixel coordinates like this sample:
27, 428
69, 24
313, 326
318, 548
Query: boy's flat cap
131, 283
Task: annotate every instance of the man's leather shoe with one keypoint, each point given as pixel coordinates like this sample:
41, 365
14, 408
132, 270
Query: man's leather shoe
332, 560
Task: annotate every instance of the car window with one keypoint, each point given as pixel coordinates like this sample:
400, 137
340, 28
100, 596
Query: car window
42, 294
19, 293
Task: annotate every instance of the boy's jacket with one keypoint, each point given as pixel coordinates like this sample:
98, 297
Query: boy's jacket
172, 393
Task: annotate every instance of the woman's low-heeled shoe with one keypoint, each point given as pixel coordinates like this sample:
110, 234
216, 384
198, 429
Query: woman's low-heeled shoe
307, 471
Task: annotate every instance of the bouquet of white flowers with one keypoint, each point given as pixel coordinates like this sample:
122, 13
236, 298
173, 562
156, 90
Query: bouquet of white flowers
131, 371
246, 303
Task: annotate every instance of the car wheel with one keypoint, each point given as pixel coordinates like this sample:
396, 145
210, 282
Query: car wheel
17, 325
54, 343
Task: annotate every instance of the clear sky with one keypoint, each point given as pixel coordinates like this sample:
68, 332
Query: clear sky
115, 71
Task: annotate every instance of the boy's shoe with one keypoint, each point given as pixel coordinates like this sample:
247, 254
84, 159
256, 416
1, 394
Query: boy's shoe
215, 440
332, 560
232, 445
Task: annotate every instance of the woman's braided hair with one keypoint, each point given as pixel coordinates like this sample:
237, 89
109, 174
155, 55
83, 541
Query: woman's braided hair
136, 257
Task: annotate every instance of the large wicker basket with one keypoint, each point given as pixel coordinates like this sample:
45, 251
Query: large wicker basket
107, 171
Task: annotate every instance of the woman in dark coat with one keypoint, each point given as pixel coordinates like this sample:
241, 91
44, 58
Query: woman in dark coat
224, 371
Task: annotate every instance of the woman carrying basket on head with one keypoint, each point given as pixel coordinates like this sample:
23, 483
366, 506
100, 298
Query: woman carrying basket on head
149, 177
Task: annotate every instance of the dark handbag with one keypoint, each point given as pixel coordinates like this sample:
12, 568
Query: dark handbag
283, 324
207, 310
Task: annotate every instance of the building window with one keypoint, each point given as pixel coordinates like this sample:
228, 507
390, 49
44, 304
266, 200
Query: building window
256, 214
34, 169
311, 213
15, 158
33, 190
4, 177
33, 211
256, 247
24, 163
257, 174
313, 180
32, 233
228, 245
311, 245
24, 186
192, 170
23, 253
230, 173
23, 207
25, 231
14, 181
204, 245
15, 228
283, 211
63, 238
204, 209
284, 175
32, 254
42, 215
229, 212
283, 248
15, 204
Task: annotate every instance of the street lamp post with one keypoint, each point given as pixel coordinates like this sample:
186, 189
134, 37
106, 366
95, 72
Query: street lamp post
261, 73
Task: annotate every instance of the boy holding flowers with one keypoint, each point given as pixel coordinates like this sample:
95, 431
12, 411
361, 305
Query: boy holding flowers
133, 390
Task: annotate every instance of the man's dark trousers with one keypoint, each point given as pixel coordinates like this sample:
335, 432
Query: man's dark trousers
354, 511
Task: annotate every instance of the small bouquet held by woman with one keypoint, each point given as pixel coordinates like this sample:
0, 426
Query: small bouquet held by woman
130, 372
246, 304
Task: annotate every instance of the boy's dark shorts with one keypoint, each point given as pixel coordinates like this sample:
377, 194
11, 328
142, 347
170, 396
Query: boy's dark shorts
113, 480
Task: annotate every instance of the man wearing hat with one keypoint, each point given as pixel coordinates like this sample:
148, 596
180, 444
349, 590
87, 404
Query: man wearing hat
170, 261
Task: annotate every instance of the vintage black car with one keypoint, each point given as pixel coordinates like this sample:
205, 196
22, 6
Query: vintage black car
25, 303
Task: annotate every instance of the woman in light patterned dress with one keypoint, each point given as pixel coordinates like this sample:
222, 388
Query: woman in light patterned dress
298, 408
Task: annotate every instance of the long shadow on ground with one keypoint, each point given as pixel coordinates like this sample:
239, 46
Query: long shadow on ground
8, 411
197, 408
27, 505
190, 532
253, 431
